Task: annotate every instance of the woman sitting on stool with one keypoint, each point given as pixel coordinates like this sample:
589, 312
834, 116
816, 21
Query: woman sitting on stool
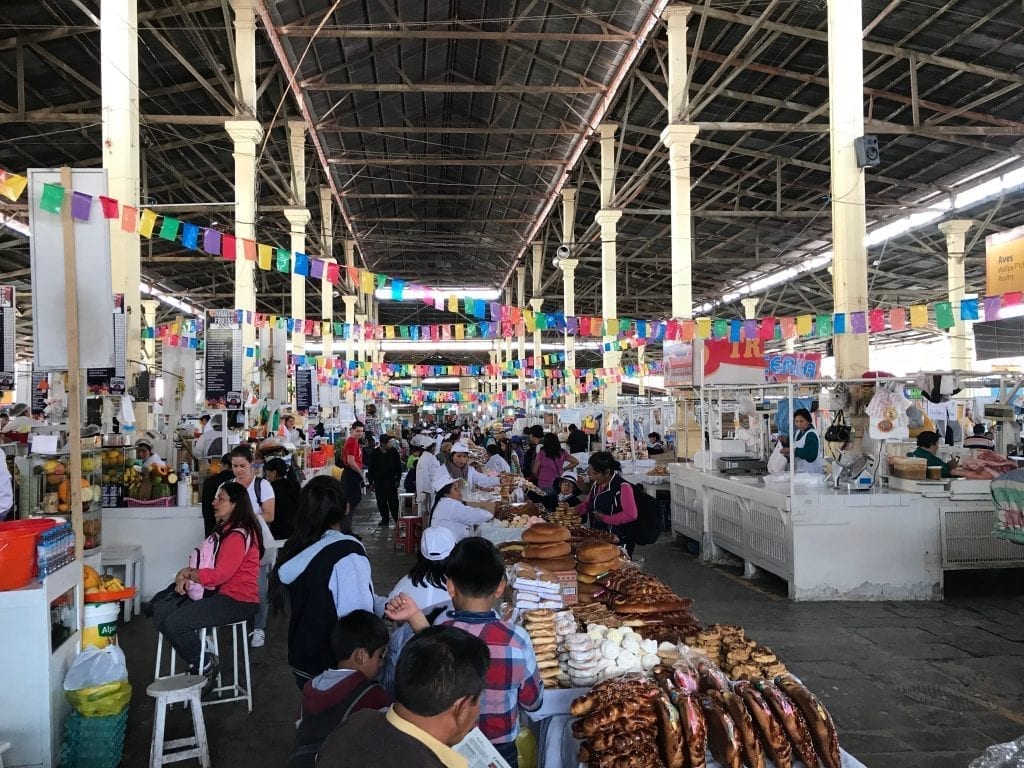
231, 590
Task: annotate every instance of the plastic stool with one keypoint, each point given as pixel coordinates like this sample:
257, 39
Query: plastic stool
238, 689
128, 557
185, 689
407, 533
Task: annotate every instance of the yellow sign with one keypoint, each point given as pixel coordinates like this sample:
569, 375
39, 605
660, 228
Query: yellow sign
1004, 262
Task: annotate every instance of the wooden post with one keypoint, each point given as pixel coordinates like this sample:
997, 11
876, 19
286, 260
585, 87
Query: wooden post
74, 383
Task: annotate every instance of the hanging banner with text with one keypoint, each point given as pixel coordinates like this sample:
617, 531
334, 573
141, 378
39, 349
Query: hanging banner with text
111, 380
1004, 262
792, 366
307, 395
8, 337
729, 362
677, 363
223, 360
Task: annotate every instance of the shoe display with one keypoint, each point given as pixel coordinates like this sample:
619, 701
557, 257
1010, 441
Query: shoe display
259, 638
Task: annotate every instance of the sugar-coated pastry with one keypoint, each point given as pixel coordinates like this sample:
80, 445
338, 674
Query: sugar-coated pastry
627, 659
649, 661
650, 646
610, 649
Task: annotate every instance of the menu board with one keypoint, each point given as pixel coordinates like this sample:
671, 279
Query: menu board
111, 381
40, 390
8, 339
307, 393
223, 360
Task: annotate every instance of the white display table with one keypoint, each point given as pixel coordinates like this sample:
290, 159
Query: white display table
827, 544
166, 534
32, 672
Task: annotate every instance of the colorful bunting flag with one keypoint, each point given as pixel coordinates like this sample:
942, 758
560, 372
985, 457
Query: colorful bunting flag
109, 207
80, 205
919, 316
52, 199
147, 220
169, 228
12, 185
129, 218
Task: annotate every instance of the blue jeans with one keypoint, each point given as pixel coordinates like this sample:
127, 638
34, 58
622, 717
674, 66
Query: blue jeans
260, 622
509, 753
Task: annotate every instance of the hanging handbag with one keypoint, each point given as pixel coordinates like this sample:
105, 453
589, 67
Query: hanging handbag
839, 431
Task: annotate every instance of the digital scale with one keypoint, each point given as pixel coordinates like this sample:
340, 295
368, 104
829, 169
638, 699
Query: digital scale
740, 465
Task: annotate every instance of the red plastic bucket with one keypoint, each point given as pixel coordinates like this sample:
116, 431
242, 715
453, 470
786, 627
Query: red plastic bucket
18, 550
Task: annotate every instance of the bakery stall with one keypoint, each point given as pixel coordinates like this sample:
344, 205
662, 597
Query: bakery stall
871, 526
633, 675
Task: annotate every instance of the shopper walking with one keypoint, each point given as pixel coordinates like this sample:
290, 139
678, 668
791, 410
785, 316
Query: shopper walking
351, 462
550, 462
385, 475
286, 496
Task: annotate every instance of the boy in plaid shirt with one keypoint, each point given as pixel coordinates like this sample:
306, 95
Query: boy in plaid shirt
476, 578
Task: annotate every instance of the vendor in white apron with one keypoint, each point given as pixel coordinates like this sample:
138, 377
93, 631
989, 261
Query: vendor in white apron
806, 445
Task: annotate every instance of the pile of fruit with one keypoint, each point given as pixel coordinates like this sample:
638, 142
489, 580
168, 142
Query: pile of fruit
96, 583
148, 483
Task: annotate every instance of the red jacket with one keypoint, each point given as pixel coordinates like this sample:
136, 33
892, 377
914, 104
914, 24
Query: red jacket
236, 571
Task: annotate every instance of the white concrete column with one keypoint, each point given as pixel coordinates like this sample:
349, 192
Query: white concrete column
535, 305
297, 220
846, 123
245, 134
350, 319
750, 307
349, 247
326, 289
607, 219
569, 216
119, 99
568, 267
521, 303
607, 132
959, 351
640, 356
149, 307
245, 54
679, 138
675, 17
361, 344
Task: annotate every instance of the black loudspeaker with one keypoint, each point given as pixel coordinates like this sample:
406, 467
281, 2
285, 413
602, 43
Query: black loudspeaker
867, 152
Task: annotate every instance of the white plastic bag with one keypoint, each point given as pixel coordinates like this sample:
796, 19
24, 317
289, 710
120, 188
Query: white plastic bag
777, 463
96, 666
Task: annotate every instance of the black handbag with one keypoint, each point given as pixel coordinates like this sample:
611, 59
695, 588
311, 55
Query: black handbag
839, 431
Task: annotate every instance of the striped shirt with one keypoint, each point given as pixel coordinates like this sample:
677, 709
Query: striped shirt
512, 679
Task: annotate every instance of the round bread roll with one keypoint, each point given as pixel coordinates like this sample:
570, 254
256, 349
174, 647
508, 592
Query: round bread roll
596, 569
545, 533
584, 578
596, 552
587, 587
552, 564
547, 550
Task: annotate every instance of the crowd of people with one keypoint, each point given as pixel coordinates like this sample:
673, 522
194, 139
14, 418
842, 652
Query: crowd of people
448, 662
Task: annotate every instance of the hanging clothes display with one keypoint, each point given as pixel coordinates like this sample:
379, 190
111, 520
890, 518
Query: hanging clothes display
888, 412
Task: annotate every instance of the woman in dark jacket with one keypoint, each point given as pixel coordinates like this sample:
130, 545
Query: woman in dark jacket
610, 502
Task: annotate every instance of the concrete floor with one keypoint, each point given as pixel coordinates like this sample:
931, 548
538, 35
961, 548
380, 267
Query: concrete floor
909, 684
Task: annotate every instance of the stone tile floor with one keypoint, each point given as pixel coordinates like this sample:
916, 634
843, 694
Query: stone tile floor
909, 684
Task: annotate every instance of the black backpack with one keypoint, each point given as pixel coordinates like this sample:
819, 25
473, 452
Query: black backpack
646, 529
410, 478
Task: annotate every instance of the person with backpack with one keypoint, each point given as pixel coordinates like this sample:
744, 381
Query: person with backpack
261, 498
327, 574
221, 588
610, 502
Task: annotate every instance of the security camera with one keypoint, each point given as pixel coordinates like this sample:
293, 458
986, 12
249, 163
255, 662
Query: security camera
563, 252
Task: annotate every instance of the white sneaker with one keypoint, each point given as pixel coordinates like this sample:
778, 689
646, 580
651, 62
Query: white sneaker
259, 637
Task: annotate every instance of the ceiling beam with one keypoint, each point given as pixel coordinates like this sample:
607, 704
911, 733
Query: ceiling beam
459, 129
447, 161
820, 35
446, 88
418, 33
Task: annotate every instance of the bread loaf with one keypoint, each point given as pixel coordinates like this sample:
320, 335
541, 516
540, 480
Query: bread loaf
551, 564
596, 569
594, 551
546, 550
545, 533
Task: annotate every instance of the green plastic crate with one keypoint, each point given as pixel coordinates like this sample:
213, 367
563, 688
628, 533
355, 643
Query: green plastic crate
93, 742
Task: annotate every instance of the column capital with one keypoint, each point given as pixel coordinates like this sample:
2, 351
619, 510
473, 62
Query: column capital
607, 217
349, 299
297, 130
750, 307
607, 130
569, 194
568, 266
297, 217
675, 15
536, 302
955, 226
360, 318
242, 131
679, 133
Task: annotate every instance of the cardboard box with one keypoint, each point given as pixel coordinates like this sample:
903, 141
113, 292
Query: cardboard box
567, 579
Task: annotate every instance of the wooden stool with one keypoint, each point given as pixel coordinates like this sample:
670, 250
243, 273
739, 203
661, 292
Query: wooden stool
407, 533
240, 689
185, 689
130, 558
